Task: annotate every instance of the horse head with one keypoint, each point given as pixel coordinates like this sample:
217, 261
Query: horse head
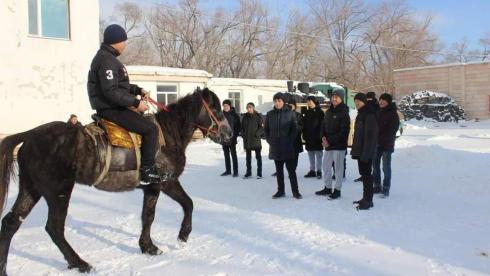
211, 120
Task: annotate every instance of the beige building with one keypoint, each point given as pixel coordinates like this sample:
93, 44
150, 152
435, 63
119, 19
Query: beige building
467, 83
47, 46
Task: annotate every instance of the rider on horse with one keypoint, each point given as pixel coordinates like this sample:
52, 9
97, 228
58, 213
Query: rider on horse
115, 99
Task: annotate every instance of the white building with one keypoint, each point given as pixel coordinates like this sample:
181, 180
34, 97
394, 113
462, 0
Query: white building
243, 91
45, 54
167, 84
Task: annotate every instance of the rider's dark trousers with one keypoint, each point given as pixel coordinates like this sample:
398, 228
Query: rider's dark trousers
135, 122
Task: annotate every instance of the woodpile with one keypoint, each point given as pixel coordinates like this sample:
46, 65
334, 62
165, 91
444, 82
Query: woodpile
432, 106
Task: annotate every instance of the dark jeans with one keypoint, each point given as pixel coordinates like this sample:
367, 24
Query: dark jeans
296, 157
367, 179
386, 157
227, 150
135, 122
258, 157
292, 175
345, 165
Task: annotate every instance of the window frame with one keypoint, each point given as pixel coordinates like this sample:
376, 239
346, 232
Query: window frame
39, 22
176, 93
238, 108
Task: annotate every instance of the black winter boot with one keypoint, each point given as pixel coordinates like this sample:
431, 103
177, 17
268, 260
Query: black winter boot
297, 195
365, 205
247, 175
358, 179
377, 189
334, 195
319, 174
310, 174
324, 192
357, 201
225, 173
385, 192
149, 175
279, 194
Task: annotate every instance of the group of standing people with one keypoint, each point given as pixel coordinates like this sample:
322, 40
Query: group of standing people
325, 136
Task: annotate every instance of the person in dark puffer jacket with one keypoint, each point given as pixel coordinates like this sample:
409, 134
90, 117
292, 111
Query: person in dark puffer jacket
281, 131
334, 134
230, 146
388, 123
252, 132
364, 147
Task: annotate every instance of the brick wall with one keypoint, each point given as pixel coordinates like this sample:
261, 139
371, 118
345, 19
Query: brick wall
468, 84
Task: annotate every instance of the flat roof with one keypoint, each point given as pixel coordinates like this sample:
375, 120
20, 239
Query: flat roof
441, 66
248, 82
166, 71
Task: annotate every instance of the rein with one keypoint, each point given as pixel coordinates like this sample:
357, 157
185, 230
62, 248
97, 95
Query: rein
159, 105
212, 117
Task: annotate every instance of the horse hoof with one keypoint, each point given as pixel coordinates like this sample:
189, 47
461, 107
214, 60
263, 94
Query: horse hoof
152, 251
82, 268
183, 239
184, 234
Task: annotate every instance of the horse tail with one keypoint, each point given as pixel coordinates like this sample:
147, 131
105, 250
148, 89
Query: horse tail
7, 147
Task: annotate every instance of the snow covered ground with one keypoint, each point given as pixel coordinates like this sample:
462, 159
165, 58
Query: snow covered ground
436, 221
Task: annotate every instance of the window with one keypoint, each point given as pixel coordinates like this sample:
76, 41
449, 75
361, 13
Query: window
235, 97
166, 94
49, 18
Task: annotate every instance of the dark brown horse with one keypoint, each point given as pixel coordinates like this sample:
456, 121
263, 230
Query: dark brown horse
50, 162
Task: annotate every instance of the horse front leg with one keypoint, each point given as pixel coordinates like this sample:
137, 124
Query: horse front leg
147, 216
175, 191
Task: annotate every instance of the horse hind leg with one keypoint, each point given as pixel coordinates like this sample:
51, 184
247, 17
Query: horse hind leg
148, 215
175, 191
55, 226
26, 200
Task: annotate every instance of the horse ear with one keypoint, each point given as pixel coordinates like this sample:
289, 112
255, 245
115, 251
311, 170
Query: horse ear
205, 93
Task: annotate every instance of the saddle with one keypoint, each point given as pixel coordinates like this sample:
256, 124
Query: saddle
117, 153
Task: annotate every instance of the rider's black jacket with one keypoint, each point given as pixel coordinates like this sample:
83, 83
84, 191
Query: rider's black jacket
108, 82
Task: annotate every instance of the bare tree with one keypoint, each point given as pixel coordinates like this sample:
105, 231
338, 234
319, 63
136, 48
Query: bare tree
395, 38
485, 43
342, 23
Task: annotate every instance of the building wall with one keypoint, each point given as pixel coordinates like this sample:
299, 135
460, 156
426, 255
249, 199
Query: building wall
45, 79
469, 84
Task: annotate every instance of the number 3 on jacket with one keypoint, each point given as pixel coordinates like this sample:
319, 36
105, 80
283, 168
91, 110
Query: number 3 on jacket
109, 74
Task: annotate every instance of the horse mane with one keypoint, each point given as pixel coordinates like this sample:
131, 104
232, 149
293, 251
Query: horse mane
178, 121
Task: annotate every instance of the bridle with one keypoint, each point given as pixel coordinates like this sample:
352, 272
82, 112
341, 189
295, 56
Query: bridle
212, 118
215, 124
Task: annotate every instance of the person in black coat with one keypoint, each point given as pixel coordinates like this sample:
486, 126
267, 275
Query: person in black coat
230, 146
281, 131
388, 123
313, 119
364, 147
252, 131
371, 100
298, 144
115, 99
334, 134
